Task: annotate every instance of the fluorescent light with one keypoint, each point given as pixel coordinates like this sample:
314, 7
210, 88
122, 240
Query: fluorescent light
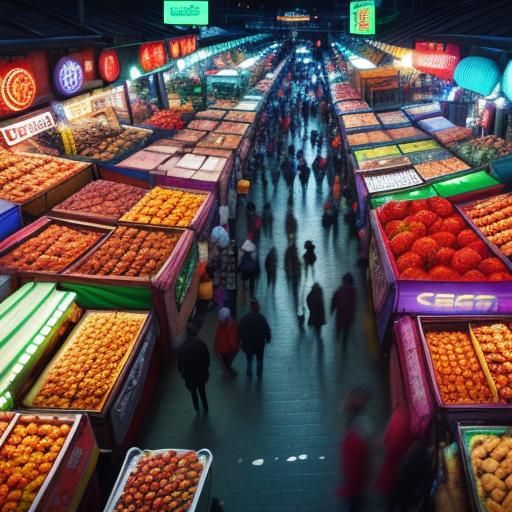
135, 73
181, 64
360, 63
247, 63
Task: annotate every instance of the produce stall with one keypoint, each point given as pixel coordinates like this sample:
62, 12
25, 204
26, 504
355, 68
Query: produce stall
168, 479
62, 455
85, 378
422, 111
480, 151
425, 258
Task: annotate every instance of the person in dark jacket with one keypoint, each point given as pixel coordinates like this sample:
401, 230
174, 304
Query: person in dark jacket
193, 364
344, 304
271, 266
309, 255
315, 302
254, 333
290, 225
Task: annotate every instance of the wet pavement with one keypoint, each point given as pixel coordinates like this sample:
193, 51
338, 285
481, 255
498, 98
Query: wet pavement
275, 441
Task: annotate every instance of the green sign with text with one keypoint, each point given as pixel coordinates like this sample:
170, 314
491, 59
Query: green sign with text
362, 17
181, 12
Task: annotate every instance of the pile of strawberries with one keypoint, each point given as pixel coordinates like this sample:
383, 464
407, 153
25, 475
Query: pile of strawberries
431, 241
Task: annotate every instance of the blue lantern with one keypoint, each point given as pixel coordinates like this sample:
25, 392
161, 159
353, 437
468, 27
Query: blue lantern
477, 74
507, 81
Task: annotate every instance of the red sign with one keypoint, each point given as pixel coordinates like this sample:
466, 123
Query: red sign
152, 55
182, 46
108, 64
17, 87
431, 58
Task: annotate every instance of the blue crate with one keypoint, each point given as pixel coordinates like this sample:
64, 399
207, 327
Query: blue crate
10, 218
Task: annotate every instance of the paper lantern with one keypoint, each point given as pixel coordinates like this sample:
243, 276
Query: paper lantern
108, 64
152, 56
477, 74
68, 76
17, 87
507, 80
174, 48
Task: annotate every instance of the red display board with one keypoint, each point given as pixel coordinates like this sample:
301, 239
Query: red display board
108, 65
432, 58
152, 55
18, 87
182, 46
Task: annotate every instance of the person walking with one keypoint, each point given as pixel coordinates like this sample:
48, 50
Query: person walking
271, 266
248, 265
309, 255
290, 225
344, 304
193, 364
254, 333
226, 340
315, 303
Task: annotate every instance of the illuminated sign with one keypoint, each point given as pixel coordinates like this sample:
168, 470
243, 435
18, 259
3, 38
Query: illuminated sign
293, 18
68, 76
362, 17
108, 65
17, 88
23, 130
181, 12
79, 108
431, 58
465, 302
152, 56
182, 46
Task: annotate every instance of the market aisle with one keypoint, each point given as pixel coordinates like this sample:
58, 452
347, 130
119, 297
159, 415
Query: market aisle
275, 441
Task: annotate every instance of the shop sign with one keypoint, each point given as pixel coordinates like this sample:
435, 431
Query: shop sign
430, 57
68, 76
182, 46
458, 302
362, 17
152, 56
108, 65
77, 109
17, 87
180, 12
23, 130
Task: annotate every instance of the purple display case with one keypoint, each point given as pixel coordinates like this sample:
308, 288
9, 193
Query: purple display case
452, 412
431, 297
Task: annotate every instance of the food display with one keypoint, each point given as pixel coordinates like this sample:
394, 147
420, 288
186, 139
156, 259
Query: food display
342, 92
83, 373
392, 181
346, 107
232, 128
431, 241
480, 151
493, 218
100, 198
130, 252
167, 119
240, 117
224, 104
367, 138
422, 110
454, 134
385, 163
359, 120
429, 155
5, 419
458, 373
167, 480
220, 140
435, 124
423, 145
406, 133
430, 170
24, 176
190, 136
213, 114
51, 250
208, 151
27, 456
147, 159
375, 152
394, 118
205, 125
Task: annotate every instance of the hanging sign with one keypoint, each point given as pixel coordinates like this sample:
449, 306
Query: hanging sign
182, 46
108, 65
152, 56
17, 88
23, 130
180, 12
68, 76
362, 17
430, 57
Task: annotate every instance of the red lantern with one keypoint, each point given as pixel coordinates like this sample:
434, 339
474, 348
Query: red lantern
17, 87
108, 64
152, 55
174, 48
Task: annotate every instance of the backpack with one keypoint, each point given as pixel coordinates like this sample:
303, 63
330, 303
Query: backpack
249, 264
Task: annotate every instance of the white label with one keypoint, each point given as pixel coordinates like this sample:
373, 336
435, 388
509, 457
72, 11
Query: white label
23, 130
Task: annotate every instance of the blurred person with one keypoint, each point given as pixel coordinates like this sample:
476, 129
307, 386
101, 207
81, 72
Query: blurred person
309, 255
254, 333
193, 365
271, 266
248, 265
315, 303
290, 225
343, 304
226, 340
267, 218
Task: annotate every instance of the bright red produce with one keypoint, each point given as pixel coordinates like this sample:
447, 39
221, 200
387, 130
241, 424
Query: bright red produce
466, 237
492, 265
443, 273
440, 206
445, 239
443, 256
166, 119
402, 242
409, 259
465, 259
426, 247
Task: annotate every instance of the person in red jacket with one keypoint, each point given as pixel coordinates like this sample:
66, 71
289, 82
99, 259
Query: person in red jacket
226, 340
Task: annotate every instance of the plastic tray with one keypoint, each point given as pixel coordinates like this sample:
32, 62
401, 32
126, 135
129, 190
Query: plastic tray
202, 498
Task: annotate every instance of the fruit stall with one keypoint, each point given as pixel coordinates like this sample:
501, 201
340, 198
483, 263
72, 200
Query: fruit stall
426, 259
47, 462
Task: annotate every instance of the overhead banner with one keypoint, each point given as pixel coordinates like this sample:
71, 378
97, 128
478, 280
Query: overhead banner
362, 17
181, 12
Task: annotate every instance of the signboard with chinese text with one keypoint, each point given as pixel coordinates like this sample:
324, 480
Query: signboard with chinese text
23, 130
362, 17
181, 12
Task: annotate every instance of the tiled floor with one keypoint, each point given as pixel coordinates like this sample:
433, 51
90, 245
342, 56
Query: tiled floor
275, 441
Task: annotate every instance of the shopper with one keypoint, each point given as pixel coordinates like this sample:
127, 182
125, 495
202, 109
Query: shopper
248, 265
290, 225
309, 255
343, 303
267, 219
226, 340
315, 303
193, 364
254, 333
355, 449
271, 266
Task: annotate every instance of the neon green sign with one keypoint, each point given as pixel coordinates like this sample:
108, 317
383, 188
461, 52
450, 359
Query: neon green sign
362, 17
182, 12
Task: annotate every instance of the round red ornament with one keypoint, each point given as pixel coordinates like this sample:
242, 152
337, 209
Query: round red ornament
108, 65
17, 87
